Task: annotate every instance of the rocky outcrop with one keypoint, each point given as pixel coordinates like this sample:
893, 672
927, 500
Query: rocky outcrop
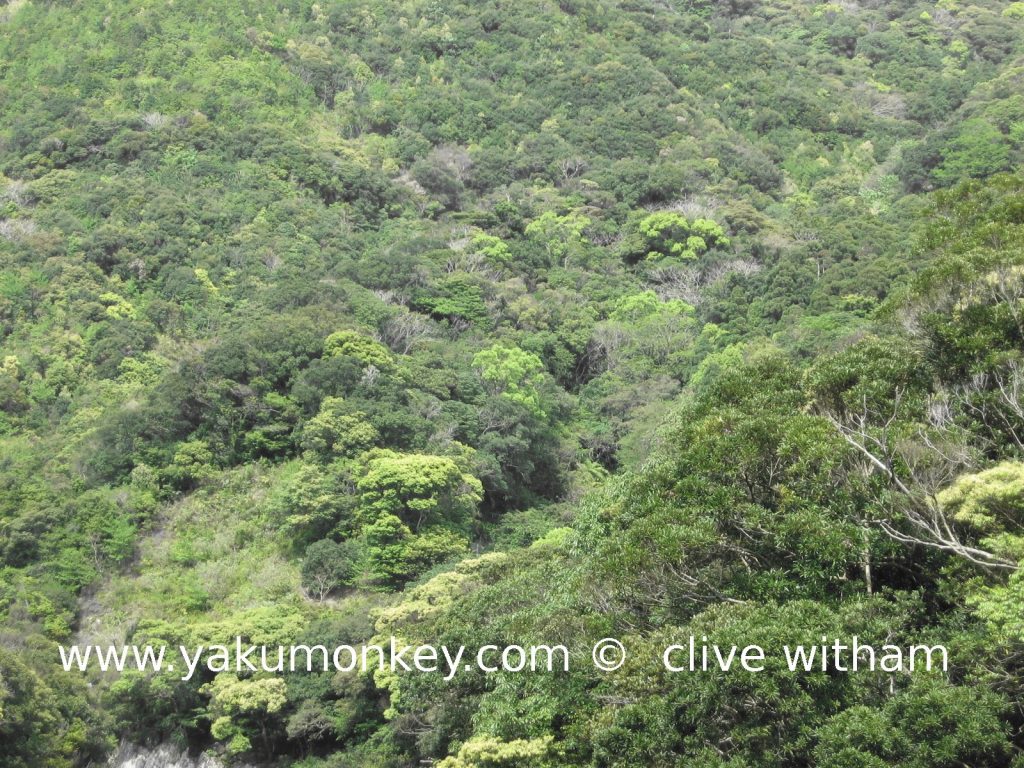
162, 756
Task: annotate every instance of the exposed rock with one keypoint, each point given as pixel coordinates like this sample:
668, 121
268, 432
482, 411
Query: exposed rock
161, 756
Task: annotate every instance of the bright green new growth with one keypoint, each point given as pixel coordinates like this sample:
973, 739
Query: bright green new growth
192, 464
991, 504
560, 235
514, 374
416, 510
419, 490
991, 500
668, 234
396, 554
365, 350
493, 249
242, 708
323, 323
490, 752
337, 431
642, 306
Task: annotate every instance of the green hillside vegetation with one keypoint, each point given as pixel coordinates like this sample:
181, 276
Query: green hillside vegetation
519, 323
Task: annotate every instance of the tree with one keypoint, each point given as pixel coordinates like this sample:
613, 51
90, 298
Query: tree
243, 709
355, 345
514, 374
418, 489
29, 717
490, 752
192, 464
47, 722
493, 250
457, 298
977, 151
396, 555
13, 398
667, 234
316, 501
327, 566
991, 502
931, 723
337, 431
874, 395
561, 236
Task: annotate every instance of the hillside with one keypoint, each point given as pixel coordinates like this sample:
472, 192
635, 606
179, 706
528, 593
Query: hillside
520, 322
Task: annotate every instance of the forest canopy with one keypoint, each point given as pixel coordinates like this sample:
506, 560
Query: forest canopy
513, 323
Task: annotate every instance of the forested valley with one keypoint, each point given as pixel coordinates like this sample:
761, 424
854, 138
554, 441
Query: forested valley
513, 321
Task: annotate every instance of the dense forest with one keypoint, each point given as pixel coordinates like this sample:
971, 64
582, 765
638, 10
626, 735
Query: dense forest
513, 321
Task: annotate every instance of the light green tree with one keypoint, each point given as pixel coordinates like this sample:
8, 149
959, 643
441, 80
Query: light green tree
491, 752
337, 431
977, 151
316, 501
494, 250
192, 465
243, 709
561, 236
396, 555
667, 234
419, 489
513, 373
992, 503
365, 350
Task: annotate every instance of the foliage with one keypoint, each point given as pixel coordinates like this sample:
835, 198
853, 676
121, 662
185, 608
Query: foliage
352, 344
483, 752
485, 322
337, 431
326, 567
514, 374
243, 709
420, 490
668, 234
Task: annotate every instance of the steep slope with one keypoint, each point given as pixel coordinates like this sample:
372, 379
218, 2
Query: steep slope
305, 306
